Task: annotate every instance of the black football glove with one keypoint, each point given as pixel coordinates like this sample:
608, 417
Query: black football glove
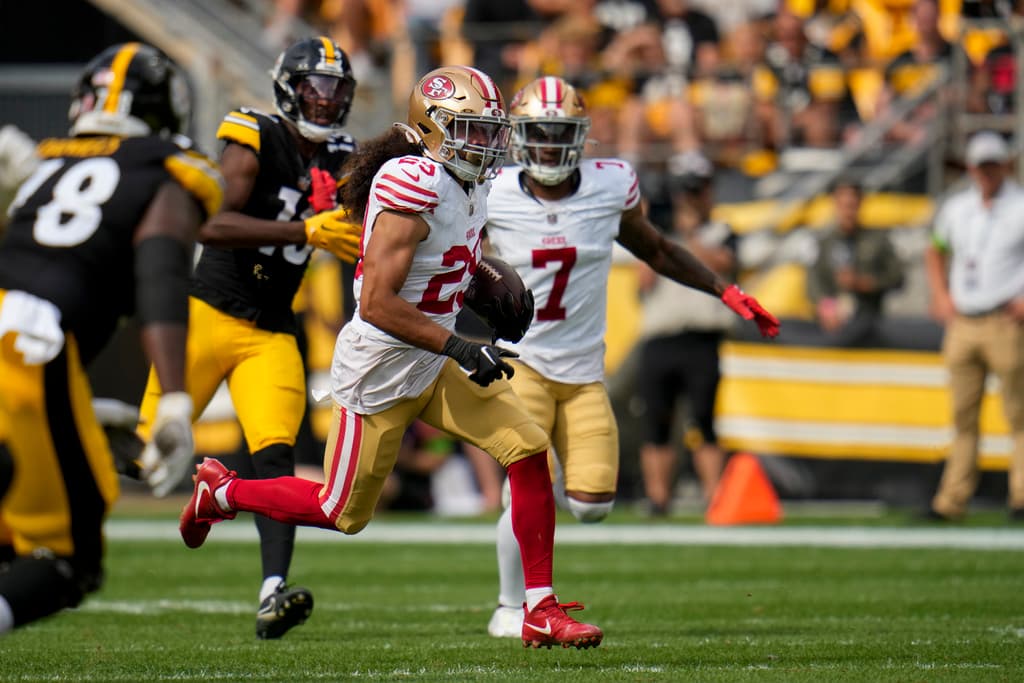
483, 361
119, 420
509, 324
126, 447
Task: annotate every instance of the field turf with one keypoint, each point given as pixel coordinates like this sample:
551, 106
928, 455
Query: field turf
404, 611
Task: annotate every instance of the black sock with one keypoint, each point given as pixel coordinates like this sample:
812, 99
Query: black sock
277, 540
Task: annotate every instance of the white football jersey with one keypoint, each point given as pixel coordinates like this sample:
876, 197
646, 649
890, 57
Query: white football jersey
563, 251
372, 370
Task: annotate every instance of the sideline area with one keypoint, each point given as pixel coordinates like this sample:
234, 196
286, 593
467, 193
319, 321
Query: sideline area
974, 538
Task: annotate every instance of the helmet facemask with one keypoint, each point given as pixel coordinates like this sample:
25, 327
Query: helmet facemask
549, 148
314, 88
473, 146
549, 129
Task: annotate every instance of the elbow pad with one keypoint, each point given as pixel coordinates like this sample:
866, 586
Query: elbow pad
162, 269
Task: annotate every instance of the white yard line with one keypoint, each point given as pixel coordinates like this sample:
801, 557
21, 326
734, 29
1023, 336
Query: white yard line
976, 538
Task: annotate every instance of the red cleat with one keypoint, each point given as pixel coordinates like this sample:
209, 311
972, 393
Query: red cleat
202, 510
548, 624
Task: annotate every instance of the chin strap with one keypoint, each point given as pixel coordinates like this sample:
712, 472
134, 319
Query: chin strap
410, 134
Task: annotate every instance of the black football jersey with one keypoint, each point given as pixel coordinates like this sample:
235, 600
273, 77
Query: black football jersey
259, 284
69, 238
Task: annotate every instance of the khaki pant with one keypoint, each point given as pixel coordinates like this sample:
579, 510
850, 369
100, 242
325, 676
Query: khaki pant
973, 347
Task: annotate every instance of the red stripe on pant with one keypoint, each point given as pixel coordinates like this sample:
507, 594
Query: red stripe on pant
335, 493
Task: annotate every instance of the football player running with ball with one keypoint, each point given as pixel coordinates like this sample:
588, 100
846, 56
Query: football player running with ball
104, 228
554, 218
280, 203
422, 190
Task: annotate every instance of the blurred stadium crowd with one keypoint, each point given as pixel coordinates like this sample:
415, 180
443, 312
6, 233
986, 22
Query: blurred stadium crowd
786, 98
783, 96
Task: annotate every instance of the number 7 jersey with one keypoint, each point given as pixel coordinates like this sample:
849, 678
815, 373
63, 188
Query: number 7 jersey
563, 251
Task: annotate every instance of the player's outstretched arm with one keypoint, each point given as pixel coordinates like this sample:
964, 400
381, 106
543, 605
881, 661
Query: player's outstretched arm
676, 262
665, 257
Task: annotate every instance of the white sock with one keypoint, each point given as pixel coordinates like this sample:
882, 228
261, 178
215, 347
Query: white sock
221, 496
535, 595
510, 563
6, 616
270, 586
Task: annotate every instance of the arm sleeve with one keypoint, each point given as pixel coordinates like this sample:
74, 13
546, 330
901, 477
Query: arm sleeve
162, 268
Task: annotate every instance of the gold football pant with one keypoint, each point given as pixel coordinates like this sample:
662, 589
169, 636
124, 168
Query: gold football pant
361, 449
583, 430
263, 370
64, 478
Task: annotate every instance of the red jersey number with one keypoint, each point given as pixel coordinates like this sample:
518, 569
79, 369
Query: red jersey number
566, 256
432, 302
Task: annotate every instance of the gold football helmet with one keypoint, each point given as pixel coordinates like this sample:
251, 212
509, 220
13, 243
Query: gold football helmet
457, 115
549, 129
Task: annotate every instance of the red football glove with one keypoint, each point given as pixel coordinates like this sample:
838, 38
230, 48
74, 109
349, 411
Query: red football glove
324, 193
748, 309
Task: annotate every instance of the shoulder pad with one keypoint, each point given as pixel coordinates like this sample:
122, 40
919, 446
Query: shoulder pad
409, 184
199, 176
242, 126
618, 173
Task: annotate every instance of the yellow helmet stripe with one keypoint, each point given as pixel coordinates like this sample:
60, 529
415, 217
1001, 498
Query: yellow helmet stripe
329, 56
119, 67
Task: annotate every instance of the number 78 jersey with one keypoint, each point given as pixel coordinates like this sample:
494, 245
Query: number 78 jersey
563, 251
70, 238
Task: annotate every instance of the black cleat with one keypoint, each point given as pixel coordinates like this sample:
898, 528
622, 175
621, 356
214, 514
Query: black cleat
287, 607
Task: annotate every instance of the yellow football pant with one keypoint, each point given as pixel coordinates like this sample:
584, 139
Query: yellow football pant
263, 370
64, 476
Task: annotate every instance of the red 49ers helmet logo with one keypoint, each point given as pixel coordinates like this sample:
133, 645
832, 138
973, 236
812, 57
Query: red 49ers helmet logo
438, 88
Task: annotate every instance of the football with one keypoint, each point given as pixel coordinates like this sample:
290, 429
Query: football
497, 294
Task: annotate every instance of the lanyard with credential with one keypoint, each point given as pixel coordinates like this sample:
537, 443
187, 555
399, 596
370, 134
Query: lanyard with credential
978, 242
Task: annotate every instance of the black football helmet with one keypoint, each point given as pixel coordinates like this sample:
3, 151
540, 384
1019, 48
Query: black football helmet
314, 87
130, 89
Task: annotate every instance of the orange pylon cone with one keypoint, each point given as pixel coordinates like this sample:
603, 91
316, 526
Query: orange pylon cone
744, 495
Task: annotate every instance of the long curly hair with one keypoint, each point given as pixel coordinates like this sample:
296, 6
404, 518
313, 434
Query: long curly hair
361, 167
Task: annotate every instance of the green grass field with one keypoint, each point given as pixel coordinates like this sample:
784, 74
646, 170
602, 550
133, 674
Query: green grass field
418, 612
